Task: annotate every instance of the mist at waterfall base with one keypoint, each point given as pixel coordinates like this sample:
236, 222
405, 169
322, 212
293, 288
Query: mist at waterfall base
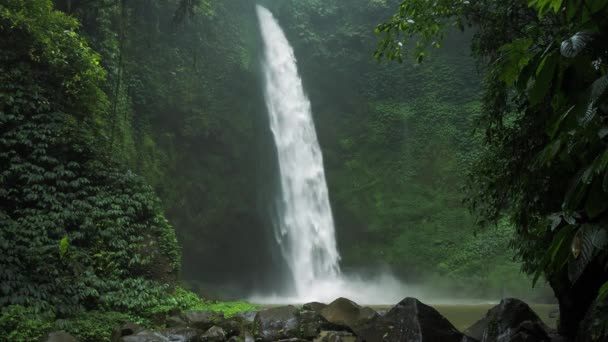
303, 223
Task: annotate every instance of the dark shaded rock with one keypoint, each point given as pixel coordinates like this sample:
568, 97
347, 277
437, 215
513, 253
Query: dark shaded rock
169, 335
476, 330
234, 326
410, 320
292, 340
182, 334
311, 323
59, 336
276, 323
144, 336
346, 313
175, 321
511, 320
203, 320
335, 336
214, 334
246, 337
314, 306
125, 330
247, 316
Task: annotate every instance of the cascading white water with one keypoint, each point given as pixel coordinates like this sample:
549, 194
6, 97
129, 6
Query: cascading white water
304, 227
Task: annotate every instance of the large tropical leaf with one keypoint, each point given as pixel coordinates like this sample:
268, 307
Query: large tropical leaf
587, 243
572, 46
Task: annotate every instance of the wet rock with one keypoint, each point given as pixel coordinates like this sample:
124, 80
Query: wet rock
314, 306
247, 316
510, 321
276, 323
59, 336
346, 313
144, 336
335, 336
476, 330
311, 323
410, 320
214, 334
202, 319
175, 321
125, 329
246, 337
182, 334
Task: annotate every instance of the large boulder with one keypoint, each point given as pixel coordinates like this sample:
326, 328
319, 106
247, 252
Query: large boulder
182, 334
144, 336
276, 323
314, 306
335, 336
511, 320
346, 313
247, 316
214, 334
311, 323
202, 319
123, 330
410, 320
59, 336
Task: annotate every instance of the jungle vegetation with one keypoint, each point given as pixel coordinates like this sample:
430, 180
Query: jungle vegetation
134, 151
544, 164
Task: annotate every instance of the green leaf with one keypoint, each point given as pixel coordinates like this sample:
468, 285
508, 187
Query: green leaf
574, 45
544, 78
597, 200
63, 246
602, 292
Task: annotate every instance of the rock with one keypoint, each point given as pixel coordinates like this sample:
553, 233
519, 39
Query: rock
314, 306
214, 334
276, 323
311, 323
144, 336
59, 336
476, 330
292, 340
346, 313
234, 326
511, 320
125, 330
247, 316
182, 334
175, 321
335, 336
410, 320
202, 319
170, 335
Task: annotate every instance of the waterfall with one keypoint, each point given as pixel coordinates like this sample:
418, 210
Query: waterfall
304, 225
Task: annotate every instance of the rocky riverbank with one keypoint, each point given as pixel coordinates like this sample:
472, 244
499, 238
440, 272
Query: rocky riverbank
340, 321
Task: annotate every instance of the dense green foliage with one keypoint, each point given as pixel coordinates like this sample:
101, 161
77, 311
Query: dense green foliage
77, 230
19, 323
544, 117
397, 143
396, 140
98, 92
